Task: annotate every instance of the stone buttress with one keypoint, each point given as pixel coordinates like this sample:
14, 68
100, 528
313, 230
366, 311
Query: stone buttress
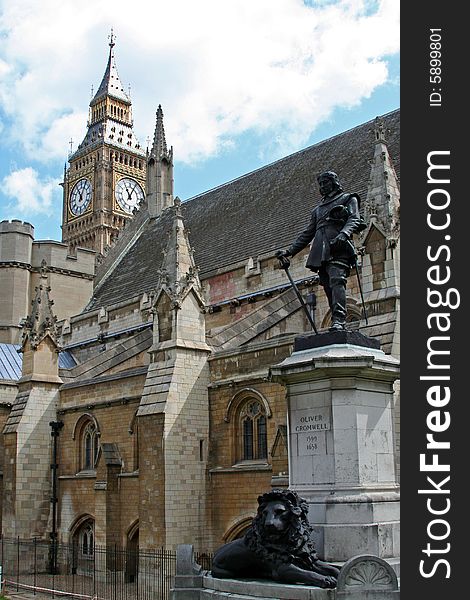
27, 434
173, 413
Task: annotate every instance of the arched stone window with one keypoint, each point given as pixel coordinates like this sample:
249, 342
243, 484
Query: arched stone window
87, 539
248, 412
132, 554
86, 434
83, 544
90, 446
252, 427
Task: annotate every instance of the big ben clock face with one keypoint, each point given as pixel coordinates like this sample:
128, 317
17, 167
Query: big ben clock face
80, 197
128, 194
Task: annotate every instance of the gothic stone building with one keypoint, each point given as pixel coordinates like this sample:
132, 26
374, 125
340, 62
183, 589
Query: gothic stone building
158, 361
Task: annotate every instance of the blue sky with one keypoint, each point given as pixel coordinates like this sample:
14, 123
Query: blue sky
241, 84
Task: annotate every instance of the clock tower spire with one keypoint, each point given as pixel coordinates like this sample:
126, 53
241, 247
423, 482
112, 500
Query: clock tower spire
105, 180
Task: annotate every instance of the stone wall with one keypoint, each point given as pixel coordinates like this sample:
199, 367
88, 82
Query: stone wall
108, 491
26, 500
186, 437
234, 483
151, 499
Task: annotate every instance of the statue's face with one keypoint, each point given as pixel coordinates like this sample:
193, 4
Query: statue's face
326, 185
276, 517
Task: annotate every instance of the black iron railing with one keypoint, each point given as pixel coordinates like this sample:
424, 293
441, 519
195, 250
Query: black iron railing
100, 573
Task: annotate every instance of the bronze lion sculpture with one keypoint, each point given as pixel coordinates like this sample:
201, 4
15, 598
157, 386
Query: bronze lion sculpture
277, 546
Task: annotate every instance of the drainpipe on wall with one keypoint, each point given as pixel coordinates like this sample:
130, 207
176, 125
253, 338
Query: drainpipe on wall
55, 426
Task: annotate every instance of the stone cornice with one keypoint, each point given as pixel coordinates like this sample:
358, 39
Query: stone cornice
96, 405
50, 269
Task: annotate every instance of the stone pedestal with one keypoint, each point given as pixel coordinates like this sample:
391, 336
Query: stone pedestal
361, 578
339, 389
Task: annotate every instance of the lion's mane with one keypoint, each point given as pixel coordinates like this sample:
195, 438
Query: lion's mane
296, 545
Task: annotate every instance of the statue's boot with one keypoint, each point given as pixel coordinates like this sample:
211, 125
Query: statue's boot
337, 296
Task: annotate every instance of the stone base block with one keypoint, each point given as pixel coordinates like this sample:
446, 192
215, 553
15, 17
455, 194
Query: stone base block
336, 543
360, 509
346, 526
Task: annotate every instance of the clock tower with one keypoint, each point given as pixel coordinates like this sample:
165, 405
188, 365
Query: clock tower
105, 179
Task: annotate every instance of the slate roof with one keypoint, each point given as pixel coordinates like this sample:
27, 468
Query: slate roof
138, 269
268, 208
252, 215
112, 133
16, 412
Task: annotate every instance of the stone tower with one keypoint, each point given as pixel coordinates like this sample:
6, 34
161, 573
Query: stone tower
105, 180
16, 249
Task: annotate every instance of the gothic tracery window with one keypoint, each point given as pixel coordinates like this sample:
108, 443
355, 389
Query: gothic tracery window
83, 545
90, 446
253, 430
87, 540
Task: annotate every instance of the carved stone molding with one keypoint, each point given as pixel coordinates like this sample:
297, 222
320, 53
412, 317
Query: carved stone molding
364, 574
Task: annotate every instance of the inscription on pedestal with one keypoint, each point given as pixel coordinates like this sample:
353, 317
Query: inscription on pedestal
311, 420
311, 444
309, 425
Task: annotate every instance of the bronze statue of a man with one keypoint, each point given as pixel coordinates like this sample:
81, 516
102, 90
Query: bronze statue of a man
332, 253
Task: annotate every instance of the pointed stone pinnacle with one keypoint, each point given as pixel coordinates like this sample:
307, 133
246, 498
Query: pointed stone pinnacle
159, 148
42, 321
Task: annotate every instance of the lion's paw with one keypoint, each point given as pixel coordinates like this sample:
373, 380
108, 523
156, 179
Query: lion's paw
327, 582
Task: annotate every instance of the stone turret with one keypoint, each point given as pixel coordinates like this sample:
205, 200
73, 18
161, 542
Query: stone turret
21, 258
16, 248
159, 171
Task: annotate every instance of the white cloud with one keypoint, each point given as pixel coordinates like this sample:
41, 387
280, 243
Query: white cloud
29, 193
218, 68
4, 68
